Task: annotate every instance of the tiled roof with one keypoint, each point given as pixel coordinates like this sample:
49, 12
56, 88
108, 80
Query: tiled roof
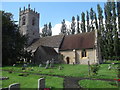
78, 41
49, 41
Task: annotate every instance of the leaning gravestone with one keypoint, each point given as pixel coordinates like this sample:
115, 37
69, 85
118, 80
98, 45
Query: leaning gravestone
41, 83
15, 86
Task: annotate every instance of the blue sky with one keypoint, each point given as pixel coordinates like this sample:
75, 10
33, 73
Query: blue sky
53, 12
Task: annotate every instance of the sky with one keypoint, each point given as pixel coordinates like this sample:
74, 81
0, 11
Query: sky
53, 12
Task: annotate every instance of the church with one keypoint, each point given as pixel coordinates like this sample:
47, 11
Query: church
67, 49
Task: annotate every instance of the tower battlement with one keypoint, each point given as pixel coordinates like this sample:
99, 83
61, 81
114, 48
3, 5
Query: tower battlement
26, 10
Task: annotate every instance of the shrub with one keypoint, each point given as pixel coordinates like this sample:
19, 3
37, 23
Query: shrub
94, 69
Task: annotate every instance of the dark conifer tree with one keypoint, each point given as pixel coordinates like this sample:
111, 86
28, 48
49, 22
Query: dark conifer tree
88, 26
73, 25
83, 29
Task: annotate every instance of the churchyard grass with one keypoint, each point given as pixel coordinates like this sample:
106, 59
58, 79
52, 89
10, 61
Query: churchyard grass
31, 81
69, 70
97, 84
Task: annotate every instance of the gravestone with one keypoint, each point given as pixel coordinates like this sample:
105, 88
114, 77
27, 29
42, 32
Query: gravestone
14, 65
60, 68
4, 78
41, 83
51, 62
15, 86
25, 65
40, 65
109, 67
47, 64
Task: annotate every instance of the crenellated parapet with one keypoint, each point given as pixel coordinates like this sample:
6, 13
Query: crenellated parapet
28, 10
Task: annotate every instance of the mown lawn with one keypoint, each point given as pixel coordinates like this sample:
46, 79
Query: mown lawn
97, 84
31, 81
69, 70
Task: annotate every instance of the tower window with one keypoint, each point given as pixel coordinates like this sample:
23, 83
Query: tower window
23, 20
33, 21
84, 53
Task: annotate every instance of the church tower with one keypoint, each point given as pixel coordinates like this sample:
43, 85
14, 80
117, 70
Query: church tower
29, 23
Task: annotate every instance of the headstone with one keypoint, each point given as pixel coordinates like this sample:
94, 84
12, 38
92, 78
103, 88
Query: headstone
25, 65
4, 78
15, 86
40, 65
13, 65
41, 83
109, 67
60, 68
47, 64
51, 62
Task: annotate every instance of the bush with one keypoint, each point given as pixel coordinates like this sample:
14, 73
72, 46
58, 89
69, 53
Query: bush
94, 69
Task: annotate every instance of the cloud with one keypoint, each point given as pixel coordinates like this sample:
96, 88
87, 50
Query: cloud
56, 29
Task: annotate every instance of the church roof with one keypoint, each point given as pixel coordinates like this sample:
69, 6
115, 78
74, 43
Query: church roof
49, 41
78, 41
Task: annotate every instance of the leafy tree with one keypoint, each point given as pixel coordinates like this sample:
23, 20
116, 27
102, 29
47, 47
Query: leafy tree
88, 26
73, 25
78, 28
46, 31
83, 22
64, 27
12, 42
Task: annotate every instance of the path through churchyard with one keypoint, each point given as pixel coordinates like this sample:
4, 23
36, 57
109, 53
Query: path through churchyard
69, 82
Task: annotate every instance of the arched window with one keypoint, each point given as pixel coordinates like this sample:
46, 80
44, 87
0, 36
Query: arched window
33, 21
23, 20
84, 53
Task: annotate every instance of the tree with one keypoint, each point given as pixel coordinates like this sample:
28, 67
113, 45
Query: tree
83, 22
73, 25
92, 18
49, 29
88, 26
12, 42
46, 31
118, 13
109, 28
64, 27
96, 23
115, 33
101, 34
78, 28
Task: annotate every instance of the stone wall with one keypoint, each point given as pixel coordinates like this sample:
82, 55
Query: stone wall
32, 31
75, 56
